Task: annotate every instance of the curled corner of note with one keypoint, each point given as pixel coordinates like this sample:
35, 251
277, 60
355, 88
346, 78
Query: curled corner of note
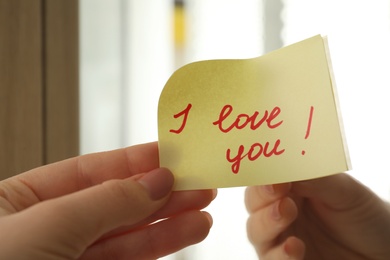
271, 119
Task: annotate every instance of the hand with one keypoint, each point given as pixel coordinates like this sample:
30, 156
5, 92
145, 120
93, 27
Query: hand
100, 206
333, 217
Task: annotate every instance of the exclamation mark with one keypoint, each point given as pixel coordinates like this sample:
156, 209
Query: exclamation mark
308, 126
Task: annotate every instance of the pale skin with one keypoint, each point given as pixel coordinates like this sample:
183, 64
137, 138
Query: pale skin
333, 217
100, 206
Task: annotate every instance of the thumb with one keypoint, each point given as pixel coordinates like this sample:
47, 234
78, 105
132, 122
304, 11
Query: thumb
336, 191
77, 220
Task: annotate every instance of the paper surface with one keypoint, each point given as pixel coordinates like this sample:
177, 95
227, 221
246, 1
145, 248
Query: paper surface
271, 119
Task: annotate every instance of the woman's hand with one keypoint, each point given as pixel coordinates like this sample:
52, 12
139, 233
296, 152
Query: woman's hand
333, 217
110, 205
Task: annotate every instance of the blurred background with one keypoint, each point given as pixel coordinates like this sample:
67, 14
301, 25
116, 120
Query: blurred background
129, 49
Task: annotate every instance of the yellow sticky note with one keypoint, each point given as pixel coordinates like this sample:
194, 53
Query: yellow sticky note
270, 119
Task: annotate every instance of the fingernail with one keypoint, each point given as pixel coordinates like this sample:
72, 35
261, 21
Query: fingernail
158, 183
269, 189
286, 250
215, 193
209, 218
275, 212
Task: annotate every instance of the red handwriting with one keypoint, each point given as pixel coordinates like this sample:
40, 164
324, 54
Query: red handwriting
308, 126
242, 120
183, 113
226, 122
254, 121
254, 153
309, 123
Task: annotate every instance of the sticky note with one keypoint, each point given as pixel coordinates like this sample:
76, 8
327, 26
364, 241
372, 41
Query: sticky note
269, 119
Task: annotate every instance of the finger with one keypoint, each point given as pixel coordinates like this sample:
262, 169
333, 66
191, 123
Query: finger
291, 249
186, 200
265, 226
178, 202
154, 241
78, 173
84, 216
336, 191
257, 197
